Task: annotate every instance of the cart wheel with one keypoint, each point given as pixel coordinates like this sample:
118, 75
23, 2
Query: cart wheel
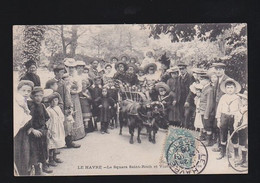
231, 160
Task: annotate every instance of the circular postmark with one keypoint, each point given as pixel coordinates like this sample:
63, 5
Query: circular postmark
187, 156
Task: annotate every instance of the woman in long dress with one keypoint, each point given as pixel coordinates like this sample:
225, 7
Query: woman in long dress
78, 131
21, 126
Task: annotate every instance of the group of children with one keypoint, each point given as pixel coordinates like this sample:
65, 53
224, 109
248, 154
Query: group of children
78, 97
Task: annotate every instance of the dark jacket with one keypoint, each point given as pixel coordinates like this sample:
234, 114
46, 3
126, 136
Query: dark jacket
218, 92
206, 101
185, 86
65, 95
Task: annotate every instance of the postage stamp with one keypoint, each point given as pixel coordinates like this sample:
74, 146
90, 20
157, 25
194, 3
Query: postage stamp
183, 152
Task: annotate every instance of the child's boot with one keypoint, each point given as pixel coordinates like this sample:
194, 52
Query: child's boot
45, 168
209, 141
222, 152
51, 161
57, 160
243, 160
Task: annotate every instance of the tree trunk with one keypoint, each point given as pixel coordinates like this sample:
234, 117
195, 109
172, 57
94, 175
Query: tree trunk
63, 41
74, 41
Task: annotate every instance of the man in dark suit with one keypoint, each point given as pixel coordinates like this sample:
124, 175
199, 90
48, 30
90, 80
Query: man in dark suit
186, 80
222, 77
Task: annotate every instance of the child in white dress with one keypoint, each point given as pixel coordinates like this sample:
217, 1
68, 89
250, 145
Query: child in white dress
56, 137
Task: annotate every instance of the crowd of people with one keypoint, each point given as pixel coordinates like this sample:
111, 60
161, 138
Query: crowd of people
71, 104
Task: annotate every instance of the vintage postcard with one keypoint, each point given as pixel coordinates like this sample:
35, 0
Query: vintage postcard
132, 99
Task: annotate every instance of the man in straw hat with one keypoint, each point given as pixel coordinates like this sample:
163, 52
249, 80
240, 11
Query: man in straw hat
186, 80
241, 119
221, 77
228, 106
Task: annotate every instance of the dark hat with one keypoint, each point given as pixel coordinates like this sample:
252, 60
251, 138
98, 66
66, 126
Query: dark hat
135, 58
223, 85
59, 67
162, 85
148, 66
37, 89
53, 96
113, 58
134, 66
108, 64
181, 63
29, 63
25, 82
124, 55
49, 83
217, 65
120, 62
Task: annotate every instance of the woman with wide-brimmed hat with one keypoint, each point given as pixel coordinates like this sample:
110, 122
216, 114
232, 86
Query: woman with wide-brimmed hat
131, 76
121, 68
78, 131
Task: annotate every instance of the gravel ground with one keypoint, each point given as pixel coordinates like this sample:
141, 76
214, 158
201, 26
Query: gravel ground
111, 154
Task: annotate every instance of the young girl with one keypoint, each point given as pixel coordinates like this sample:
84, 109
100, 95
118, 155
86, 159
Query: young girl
198, 121
38, 132
56, 137
53, 85
105, 103
21, 125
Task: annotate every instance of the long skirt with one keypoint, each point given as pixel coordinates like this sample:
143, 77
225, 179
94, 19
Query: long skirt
174, 113
22, 152
78, 131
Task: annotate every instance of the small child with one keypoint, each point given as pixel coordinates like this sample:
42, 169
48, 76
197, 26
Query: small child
53, 85
96, 91
198, 121
38, 132
56, 137
206, 107
166, 99
105, 103
241, 119
228, 106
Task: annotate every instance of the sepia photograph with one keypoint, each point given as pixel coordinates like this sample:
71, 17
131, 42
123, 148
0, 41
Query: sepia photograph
130, 99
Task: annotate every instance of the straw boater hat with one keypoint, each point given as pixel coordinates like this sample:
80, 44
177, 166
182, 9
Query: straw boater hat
150, 65
204, 75
25, 82
80, 63
173, 69
243, 95
223, 88
37, 89
217, 65
162, 85
47, 92
121, 62
70, 62
197, 70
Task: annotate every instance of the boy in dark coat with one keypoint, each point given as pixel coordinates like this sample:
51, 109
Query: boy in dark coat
105, 104
38, 132
96, 91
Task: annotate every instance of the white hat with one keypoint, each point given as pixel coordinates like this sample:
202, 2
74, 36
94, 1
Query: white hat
70, 62
80, 63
